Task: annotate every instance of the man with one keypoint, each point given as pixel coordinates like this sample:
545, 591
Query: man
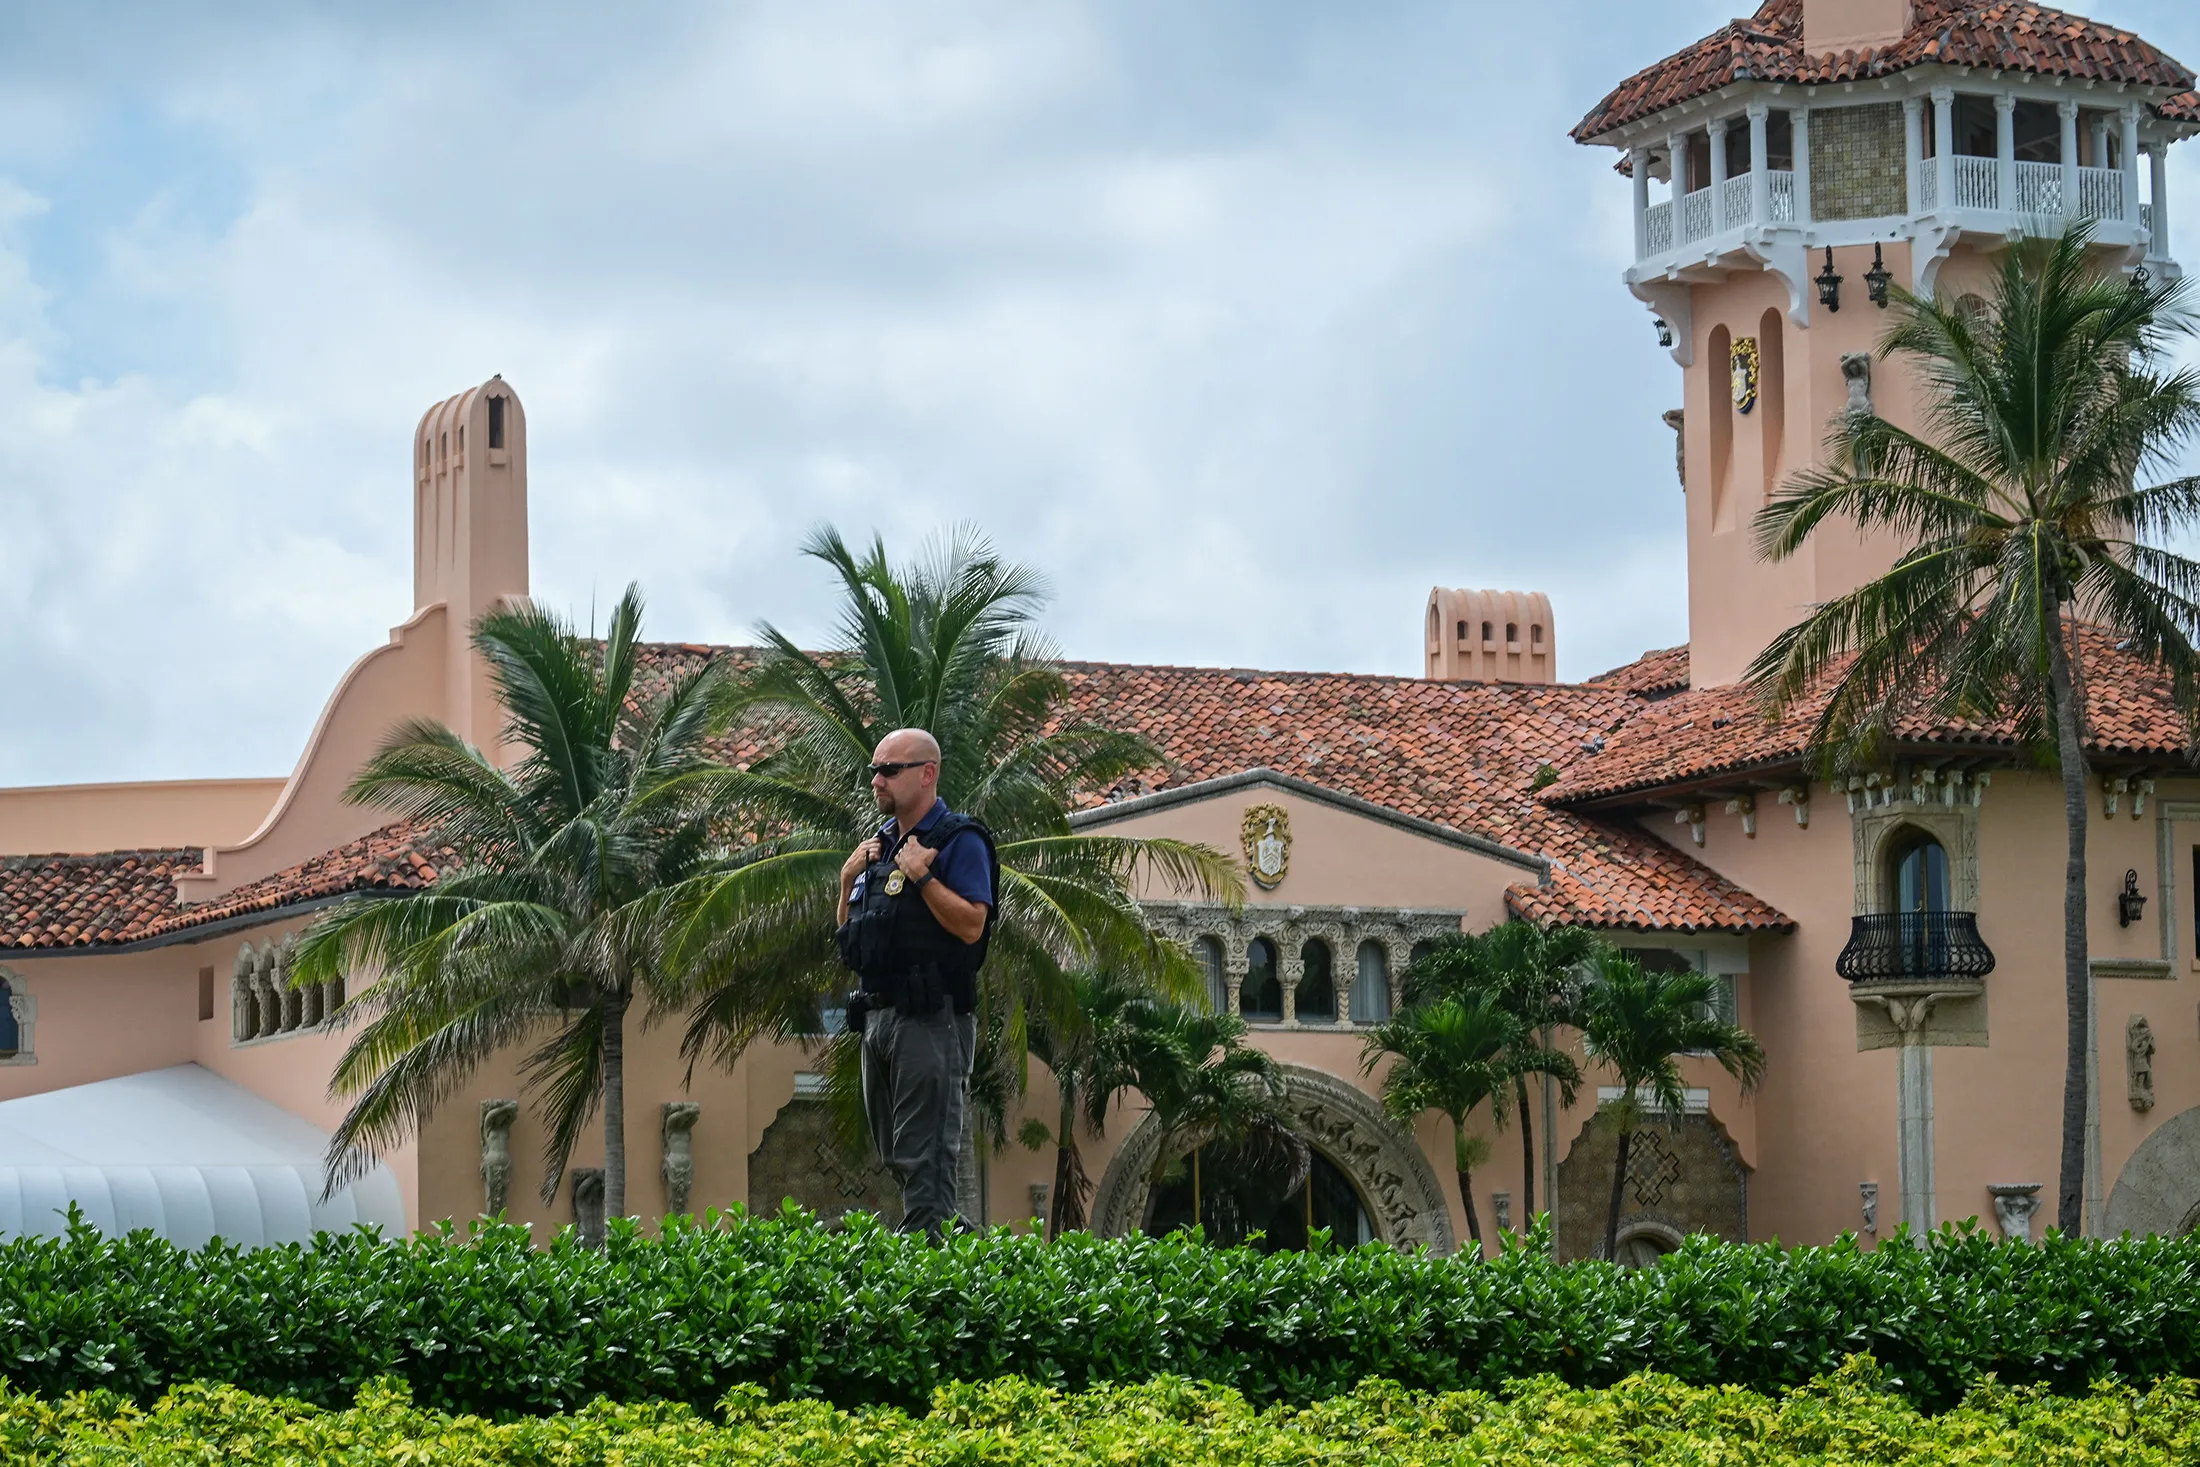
916, 905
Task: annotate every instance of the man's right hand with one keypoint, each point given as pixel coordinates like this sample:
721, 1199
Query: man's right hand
861, 857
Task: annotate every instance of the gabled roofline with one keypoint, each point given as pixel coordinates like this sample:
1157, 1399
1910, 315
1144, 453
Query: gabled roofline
1320, 794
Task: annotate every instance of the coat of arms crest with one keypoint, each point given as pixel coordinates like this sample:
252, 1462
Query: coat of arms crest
1743, 359
1266, 834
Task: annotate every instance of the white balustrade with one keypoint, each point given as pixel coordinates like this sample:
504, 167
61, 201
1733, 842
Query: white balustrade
1978, 182
1783, 196
1734, 204
1657, 227
2039, 188
1928, 187
2146, 218
1696, 215
2101, 192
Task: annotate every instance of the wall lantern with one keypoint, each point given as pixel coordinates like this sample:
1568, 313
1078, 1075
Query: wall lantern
2130, 905
1829, 284
1665, 332
1876, 278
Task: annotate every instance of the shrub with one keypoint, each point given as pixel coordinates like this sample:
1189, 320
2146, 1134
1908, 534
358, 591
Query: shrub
859, 1316
1645, 1419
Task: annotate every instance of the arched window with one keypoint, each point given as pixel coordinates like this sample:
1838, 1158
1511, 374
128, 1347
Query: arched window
1371, 984
1462, 631
1722, 426
1486, 631
1218, 986
1317, 1002
1261, 997
1512, 631
1917, 874
1771, 398
17, 1009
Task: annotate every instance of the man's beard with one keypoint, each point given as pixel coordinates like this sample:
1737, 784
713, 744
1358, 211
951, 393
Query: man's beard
885, 802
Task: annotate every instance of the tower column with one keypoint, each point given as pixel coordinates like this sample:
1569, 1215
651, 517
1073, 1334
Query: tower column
1676, 148
2068, 112
1760, 169
1715, 130
2099, 153
1638, 161
2005, 151
1913, 152
2158, 163
2131, 162
1799, 120
1944, 146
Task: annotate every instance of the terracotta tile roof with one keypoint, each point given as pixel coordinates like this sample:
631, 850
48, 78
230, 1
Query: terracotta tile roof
122, 897
1712, 732
1652, 675
1768, 47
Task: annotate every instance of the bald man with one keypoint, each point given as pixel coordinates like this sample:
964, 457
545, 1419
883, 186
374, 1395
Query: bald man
916, 909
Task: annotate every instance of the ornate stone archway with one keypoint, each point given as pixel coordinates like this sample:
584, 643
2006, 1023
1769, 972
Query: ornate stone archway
1397, 1186
2158, 1191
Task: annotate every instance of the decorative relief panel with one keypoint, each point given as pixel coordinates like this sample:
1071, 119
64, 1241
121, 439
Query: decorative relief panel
798, 1158
1342, 929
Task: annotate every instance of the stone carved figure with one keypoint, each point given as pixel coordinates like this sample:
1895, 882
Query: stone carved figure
2015, 1204
496, 1153
1504, 1201
588, 1205
1856, 371
1677, 420
1868, 1192
2139, 1059
678, 1128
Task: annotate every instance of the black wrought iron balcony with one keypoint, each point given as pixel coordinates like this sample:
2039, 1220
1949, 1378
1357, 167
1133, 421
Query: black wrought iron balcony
1914, 947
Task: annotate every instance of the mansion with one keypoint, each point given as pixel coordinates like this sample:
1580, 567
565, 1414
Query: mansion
157, 1069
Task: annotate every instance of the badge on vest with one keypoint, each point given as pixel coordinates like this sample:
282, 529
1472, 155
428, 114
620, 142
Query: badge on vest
895, 881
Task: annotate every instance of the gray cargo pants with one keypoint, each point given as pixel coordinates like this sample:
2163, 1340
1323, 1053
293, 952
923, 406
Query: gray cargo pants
916, 1087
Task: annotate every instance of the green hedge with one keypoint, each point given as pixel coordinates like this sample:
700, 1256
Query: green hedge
859, 1316
1646, 1420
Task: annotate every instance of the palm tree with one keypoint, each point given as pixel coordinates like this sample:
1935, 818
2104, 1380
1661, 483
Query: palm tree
1536, 972
542, 935
1453, 1053
1093, 1055
1637, 1024
947, 645
2022, 516
1209, 1092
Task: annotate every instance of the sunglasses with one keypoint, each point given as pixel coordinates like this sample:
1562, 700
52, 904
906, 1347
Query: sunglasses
888, 771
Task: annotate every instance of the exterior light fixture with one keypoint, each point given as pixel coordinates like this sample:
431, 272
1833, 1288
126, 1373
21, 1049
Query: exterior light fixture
2130, 904
1665, 332
2140, 280
1829, 284
1876, 278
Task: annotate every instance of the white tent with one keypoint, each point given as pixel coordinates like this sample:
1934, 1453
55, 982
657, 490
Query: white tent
183, 1152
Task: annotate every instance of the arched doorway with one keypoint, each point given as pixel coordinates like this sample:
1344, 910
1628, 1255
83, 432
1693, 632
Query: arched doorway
1391, 1181
1237, 1209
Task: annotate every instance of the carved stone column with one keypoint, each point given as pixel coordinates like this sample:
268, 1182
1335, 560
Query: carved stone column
678, 1127
267, 983
588, 1206
244, 1008
496, 1153
1288, 973
293, 1000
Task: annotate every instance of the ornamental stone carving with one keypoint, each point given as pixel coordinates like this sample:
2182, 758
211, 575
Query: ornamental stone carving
1396, 1186
1265, 832
679, 1166
2015, 1205
263, 1004
1868, 1194
1677, 420
2139, 1062
1856, 371
496, 1153
588, 1206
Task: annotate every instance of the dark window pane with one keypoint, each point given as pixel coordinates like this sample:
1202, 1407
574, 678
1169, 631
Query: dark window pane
1262, 995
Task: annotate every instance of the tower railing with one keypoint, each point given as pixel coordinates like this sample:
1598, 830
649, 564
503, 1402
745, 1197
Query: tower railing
1696, 215
1657, 227
2039, 188
1734, 203
2101, 192
1783, 195
1978, 182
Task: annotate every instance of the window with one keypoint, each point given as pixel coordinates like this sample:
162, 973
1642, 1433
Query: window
1486, 631
1371, 985
1512, 631
1917, 874
1535, 635
1261, 997
1209, 950
206, 994
263, 1005
1317, 1001
17, 1010
496, 422
1462, 631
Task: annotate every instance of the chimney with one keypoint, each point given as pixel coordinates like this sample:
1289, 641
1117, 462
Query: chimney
1836, 26
1490, 637
470, 533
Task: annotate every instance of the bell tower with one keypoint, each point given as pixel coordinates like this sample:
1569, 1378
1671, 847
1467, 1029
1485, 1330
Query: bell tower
470, 534
1787, 170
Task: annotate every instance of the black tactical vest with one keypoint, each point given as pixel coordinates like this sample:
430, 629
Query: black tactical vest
891, 935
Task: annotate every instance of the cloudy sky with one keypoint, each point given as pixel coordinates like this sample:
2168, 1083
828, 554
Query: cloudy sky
1247, 322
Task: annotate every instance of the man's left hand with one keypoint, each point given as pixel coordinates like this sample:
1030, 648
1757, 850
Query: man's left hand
914, 859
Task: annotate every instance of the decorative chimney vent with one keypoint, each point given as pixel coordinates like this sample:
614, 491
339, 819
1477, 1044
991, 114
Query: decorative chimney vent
1490, 637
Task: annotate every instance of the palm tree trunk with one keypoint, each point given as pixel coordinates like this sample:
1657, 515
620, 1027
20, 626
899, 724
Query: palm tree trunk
1619, 1180
2077, 980
614, 1105
1466, 1181
1527, 1157
1065, 1147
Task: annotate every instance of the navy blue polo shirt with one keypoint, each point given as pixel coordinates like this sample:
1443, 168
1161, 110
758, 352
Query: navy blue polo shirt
960, 865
